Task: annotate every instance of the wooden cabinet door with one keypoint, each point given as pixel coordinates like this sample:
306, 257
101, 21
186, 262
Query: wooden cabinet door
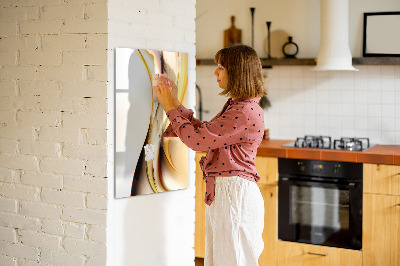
381, 179
298, 254
200, 207
267, 168
270, 233
381, 230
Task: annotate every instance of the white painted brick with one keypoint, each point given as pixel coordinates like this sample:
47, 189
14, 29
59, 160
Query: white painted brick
35, 239
53, 227
94, 201
41, 179
25, 262
96, 73
84, 26
85, 89
18, 250
39, 87
7, 88
67, 135
19, 43
89, 57
73, 104
66, 42
8, 234
8, 205
84, 247
75, 230
85, 152
7, 175
18, 191
62, 166
33, 2
86, 184
18, 161
98, 121
97, 234
19, 13
97, 11
19, 221
40, 148
96, 42
8, 58
40, 58
95, 168
97, 260
8, 261
30, 103
40, 27
39, 118
8, 117
95, 136
6, 102
38, 209
62, 12
18, 72
8, 146
60, 73
16, 132
63, 197
84, 216
61, 259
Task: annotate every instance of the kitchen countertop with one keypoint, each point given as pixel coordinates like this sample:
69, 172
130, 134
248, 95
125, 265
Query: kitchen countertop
379, 154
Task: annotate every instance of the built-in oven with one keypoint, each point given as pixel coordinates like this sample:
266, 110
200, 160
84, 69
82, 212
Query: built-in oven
320, 202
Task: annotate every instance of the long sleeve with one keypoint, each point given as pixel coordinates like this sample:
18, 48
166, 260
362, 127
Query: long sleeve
186, 113
222, 131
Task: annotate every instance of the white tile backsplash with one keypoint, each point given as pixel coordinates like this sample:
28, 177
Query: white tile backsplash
364, 103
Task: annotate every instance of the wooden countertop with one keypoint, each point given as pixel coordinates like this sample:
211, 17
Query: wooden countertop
379, 154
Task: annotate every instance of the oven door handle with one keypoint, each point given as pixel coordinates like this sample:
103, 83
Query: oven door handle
329, 184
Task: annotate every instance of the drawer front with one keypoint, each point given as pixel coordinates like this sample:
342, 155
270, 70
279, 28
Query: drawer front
293, 254
381, 179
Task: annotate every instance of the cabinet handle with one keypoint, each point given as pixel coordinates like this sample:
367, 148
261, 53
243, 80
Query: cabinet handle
318, 254
398, 204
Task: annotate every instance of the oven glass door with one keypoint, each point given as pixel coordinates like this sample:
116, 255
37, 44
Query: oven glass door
321, 213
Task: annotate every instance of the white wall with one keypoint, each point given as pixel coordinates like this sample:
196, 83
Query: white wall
338, 104
53, 107
155, 229
299, 18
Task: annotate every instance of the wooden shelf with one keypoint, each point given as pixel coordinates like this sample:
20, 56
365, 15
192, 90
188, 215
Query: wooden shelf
312, 61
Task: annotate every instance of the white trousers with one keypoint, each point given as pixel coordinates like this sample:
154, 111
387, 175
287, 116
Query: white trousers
234, 223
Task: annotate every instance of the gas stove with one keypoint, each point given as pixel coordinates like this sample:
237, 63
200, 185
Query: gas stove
325, 142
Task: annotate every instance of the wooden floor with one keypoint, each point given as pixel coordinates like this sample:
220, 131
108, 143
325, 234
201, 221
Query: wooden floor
199, 262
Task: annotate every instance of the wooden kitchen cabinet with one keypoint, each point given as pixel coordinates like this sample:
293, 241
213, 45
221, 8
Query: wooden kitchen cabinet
381, 179
270, 233
381, 215
298, 254
381, 230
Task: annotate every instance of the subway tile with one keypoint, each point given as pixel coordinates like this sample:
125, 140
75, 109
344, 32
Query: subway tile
374, 110
388, 110
374, 97
388, 97
388, 124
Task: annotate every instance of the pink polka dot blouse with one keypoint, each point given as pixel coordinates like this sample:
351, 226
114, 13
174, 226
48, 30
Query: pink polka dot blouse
231, 139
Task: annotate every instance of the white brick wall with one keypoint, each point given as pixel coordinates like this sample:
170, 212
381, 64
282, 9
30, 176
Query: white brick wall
53, 107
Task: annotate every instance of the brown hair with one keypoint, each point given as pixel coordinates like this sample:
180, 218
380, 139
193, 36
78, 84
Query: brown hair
245, 78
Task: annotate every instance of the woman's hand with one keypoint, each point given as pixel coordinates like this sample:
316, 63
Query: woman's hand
174, 89
164, 95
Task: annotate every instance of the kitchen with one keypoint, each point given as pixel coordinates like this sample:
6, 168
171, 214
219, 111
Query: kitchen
338, 105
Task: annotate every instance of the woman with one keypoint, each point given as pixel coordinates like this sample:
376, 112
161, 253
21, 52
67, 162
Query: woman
235, 207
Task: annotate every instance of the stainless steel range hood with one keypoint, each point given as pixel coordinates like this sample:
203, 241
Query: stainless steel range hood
334, 52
